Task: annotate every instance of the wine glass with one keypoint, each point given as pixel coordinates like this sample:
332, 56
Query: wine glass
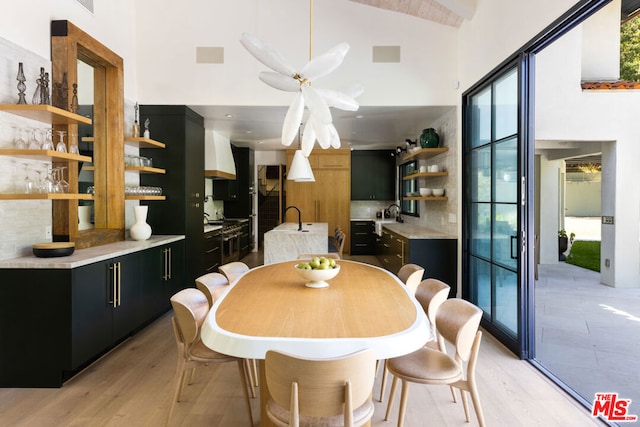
46, 184
61, 146
73, 143
61, 186
48, 142
21, 142
33, 141
28, 186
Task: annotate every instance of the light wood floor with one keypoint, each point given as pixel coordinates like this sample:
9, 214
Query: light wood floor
131, 386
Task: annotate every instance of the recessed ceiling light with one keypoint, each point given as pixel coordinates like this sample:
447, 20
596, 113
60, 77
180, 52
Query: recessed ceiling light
249, 131
228, 116
359, 116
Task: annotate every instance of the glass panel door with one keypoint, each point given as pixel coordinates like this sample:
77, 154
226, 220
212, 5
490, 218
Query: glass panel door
492, 245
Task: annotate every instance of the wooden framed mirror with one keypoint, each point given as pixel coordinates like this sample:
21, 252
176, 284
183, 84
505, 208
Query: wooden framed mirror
69, 45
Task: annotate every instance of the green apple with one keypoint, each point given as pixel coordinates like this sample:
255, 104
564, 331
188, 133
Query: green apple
314, 263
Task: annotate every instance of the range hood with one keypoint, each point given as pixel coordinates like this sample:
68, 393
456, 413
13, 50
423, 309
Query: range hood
218, 157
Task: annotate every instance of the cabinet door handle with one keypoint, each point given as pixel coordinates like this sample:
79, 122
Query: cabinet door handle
119, 285
169, 262
114, 285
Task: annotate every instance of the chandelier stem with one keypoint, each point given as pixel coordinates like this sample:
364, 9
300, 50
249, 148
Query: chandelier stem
310, 27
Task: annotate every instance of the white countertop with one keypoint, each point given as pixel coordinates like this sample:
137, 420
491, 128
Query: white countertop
208, 228
307, 227
89, 255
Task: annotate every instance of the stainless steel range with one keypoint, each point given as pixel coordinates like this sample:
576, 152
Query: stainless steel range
230, 241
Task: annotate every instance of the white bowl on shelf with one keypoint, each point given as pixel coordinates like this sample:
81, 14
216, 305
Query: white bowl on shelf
425, 192
438, 192
318, 278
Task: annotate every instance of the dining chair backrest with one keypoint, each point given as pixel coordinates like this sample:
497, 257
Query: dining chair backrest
411, 275
327, 255
233, 269
190, 307
212, 285
431, 293
458, 321
325, 387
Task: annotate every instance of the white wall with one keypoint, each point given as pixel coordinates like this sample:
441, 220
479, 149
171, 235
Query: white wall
169, 74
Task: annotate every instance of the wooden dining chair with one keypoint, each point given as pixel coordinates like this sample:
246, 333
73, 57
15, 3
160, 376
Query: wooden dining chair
214, 285
457, 321
233, 270
327, 392
411, 275
190, 307
336, 243
430, 293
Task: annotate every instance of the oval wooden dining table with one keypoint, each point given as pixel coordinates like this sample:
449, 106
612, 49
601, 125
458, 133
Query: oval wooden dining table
270, 308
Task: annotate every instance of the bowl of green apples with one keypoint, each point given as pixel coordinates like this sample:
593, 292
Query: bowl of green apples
317, 271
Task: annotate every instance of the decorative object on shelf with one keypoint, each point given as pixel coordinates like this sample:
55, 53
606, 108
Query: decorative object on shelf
146, 128
38, 97
320, 124
46, 98
74, 99
429, 138
61, 92
21, 86
140, 230
135, 129
61, 147
84, 217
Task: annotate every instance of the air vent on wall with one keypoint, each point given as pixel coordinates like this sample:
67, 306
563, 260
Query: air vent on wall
209, 55
386, 54
87, 4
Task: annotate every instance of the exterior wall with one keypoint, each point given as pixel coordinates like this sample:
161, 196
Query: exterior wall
583, 197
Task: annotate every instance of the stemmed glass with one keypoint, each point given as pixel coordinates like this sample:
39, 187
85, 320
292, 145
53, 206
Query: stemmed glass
73, 144
46, 185
61, 146
61, 186
28, 186
21, 142
48, 142
33, 141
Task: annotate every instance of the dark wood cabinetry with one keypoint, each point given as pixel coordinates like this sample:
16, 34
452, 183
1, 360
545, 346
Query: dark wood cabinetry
212, 251
437, 256
182, 130
56, 321
363, 238
373, 175
237, 193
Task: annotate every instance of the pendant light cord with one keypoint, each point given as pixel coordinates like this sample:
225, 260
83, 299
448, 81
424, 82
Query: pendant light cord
310, 27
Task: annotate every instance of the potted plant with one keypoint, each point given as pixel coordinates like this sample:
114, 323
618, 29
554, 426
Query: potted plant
563, 243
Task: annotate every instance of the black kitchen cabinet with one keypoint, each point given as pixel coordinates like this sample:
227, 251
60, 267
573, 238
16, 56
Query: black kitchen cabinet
163, 277
182, 130
57, 321
363, 238
373, 175
245, 238
237, 194
212, 251
437, 256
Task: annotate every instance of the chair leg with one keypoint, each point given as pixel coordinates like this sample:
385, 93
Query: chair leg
394, 385
256, 377
383, 384
475, 398
453, 394
250, 377
243, 381
179, 382
465, 404
192, 375
403, 402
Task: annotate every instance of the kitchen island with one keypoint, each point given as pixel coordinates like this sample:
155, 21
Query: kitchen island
286, 241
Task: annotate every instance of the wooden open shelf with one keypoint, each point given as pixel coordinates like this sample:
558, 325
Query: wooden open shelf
425, 153
88, 139
45, 114
427, 198
141, 142
145, 197
49, 196
424, 175
144, 169
45, 155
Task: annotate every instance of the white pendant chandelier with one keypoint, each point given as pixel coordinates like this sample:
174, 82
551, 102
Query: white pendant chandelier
319, 125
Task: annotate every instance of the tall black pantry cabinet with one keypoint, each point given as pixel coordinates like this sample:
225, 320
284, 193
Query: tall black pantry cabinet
182, 130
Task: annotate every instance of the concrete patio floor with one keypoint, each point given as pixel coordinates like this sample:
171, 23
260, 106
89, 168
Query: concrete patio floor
588, 334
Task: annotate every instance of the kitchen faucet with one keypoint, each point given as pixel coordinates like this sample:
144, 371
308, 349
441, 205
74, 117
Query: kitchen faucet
392, 205
299, 216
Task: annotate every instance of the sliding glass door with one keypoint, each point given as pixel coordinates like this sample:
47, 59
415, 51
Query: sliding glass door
493, 212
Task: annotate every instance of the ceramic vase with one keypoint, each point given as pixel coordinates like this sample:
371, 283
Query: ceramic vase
140, 230
429, 138
84, 218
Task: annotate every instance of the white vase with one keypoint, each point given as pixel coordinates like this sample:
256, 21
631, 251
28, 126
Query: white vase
84, 218
140, 230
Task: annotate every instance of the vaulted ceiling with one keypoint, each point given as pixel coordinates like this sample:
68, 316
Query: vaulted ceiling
445, 12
